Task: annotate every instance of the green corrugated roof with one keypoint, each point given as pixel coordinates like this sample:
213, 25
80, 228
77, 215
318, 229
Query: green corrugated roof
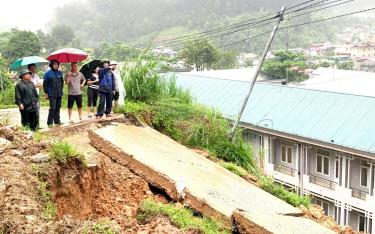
336, 118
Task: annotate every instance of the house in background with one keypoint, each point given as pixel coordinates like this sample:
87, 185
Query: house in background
317, 143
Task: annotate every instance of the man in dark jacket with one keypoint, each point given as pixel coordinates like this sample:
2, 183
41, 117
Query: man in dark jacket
107, 84
53, 86
27, 98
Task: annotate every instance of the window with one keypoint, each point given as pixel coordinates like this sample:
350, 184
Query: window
365, 174
337, 168
324, 205
361, 223
322, 162
286, 154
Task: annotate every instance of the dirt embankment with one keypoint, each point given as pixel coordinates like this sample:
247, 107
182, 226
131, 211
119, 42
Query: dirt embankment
83, 195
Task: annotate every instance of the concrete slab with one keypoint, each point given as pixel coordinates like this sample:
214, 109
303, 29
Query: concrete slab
209, 188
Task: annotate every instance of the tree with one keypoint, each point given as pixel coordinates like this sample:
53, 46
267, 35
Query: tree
227, 60
64, 35
286, 65
200, 53
345, 65
5, 82
21, 44
117, 51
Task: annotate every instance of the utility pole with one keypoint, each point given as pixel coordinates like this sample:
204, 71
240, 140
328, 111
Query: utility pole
252, 82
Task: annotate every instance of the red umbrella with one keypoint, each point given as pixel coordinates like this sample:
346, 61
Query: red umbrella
68, 55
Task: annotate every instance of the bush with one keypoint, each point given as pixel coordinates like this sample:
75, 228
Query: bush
144, 84
181, 217
279, 191
62, 152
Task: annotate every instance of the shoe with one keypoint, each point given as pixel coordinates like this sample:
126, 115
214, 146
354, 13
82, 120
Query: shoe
109, 115
99, 117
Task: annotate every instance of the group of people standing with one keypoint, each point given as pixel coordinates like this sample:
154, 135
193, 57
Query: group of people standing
104, 83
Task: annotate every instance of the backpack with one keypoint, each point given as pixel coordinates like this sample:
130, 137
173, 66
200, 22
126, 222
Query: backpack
106, 83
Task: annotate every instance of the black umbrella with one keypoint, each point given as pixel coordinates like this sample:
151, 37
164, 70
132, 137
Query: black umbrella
88, 68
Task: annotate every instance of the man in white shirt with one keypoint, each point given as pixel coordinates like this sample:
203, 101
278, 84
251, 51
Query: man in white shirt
38, 83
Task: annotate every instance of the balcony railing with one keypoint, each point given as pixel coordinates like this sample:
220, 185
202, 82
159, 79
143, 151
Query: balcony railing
285, 170
359, 194
323, 182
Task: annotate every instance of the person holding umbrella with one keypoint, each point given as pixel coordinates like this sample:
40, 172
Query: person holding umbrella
53, 86
27, 98
91, 72
107, 84
75, 81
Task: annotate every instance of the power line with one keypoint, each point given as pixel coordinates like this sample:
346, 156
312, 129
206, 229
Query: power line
250, 22
239, 27
299, 25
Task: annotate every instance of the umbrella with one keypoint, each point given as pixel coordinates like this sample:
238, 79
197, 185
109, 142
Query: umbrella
68, 55
22, 62
89, 67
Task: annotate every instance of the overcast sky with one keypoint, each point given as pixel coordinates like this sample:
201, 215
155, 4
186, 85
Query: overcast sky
27, 14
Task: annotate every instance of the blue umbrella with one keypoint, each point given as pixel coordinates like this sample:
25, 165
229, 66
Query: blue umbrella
22, 62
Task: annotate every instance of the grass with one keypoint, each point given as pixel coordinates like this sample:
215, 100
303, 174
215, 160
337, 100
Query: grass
102, 227
279, 191
62, 152
234, 168
49, 210
39, 136
181, 217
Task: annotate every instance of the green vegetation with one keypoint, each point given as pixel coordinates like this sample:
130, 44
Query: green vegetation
234, 168
39, 136
286, 64
63, 152
102, 227
345, 65
205, 55
5, 82
279, 191
20, 44
181, 217
49, 211
144, 84
117, 51
201, 53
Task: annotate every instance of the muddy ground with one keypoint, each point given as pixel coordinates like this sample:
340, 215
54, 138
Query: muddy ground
83, 196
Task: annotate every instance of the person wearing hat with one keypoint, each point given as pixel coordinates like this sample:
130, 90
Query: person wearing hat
53, 86
119, 96
107, 84
27, 99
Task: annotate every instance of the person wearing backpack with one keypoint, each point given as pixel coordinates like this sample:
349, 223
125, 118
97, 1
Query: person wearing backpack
107, 88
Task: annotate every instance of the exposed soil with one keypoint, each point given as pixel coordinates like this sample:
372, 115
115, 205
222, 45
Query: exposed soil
82, 195
316, 213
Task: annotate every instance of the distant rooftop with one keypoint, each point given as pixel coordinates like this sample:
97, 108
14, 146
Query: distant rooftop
341, 81
244, 74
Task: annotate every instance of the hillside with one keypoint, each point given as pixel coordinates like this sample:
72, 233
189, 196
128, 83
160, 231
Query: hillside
126, 21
